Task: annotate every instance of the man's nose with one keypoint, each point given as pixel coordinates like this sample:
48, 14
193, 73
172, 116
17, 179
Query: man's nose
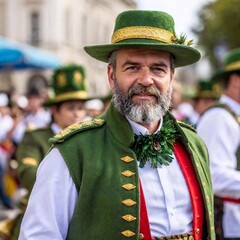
145, 77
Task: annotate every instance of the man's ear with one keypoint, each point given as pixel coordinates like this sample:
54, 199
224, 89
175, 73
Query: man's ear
110, 73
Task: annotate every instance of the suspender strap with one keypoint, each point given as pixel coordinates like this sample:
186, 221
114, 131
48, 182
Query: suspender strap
194, 188
195, 193
232, 200
227, 108
144, 222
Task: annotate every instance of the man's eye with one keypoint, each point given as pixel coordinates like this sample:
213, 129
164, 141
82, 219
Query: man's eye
132, 68
157, 69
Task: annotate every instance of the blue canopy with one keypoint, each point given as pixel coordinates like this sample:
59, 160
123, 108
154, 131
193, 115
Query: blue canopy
15, 56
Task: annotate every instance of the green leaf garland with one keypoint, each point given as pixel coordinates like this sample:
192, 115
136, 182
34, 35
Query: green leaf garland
156, 148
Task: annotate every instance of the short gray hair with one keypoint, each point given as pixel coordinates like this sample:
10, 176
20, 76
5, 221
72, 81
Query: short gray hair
113, 59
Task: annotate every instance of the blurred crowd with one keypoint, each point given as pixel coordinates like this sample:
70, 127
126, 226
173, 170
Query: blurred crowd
21, 114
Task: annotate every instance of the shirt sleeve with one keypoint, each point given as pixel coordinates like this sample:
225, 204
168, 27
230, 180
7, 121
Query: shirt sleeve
221, 133
52, 201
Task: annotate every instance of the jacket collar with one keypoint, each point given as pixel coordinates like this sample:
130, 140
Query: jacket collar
118, 126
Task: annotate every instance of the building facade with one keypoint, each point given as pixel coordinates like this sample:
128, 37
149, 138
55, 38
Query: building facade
62, 27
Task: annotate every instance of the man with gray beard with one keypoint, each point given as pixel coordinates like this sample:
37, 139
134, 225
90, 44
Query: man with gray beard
145, 111
133, 172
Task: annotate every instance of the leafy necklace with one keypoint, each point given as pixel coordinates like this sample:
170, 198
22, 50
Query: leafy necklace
156, 148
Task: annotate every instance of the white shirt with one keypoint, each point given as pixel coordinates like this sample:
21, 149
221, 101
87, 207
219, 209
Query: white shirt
167, 197
194, 117
55, 128
221, 133
6, 123
37, 120
50, 208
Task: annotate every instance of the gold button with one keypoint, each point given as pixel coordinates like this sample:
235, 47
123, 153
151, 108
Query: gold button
127, 159
127, 173
129, 202
197, 230
129, 218
128, 233
128, 186
141, 236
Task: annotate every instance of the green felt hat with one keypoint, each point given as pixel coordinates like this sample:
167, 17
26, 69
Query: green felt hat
231, 64
207, 89
68, 83
146, 29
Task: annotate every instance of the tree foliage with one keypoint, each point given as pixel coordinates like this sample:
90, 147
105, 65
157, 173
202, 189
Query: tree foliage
220, 29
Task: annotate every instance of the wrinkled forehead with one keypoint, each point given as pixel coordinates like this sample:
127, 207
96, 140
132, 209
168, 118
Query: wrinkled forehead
143, 55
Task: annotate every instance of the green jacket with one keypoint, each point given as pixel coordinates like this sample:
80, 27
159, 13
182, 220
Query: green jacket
30, 152
105, 172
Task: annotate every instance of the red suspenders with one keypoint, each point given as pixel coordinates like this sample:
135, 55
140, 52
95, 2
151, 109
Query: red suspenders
195, 193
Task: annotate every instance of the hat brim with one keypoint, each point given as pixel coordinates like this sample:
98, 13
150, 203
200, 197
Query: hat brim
222, 74
206, 96
184, 55
74, 96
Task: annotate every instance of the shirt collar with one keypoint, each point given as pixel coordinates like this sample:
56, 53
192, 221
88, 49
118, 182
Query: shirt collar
55, 128
139, 129
235, 106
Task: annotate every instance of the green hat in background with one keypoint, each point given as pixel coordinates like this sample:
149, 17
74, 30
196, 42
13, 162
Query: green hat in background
146, 29
68, 83
231, 64
207, 89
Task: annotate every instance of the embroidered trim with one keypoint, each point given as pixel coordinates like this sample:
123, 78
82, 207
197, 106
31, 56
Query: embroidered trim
153, 33
233, 66
76, 127
67, 96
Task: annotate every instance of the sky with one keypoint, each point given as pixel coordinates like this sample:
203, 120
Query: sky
184, 12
